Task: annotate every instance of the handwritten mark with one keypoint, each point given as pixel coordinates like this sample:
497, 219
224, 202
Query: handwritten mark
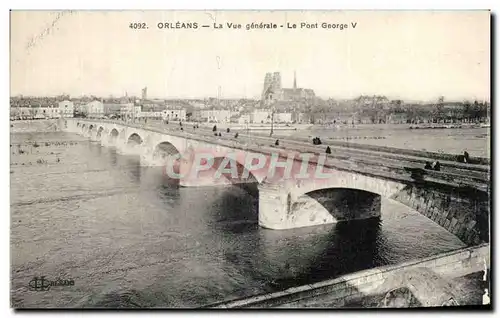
219, 64
47, 30
213, 17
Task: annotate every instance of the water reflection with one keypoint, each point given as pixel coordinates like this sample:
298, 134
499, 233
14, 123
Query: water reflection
134, 168
113, 156
307, 255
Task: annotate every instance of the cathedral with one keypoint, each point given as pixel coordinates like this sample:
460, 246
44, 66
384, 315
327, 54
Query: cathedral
274, 92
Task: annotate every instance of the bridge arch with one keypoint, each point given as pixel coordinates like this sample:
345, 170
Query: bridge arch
164, 149
347, 180
113, 136
343, 204
134, 139
461, 211
343, 196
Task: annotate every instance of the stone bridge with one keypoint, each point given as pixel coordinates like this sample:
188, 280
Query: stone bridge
460, 204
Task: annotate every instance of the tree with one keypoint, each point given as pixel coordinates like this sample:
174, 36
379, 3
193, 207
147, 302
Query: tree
467, 110
398, 106
438, 112
32, 112
14, 112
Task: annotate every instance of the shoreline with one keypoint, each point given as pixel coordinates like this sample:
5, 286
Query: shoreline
360, 286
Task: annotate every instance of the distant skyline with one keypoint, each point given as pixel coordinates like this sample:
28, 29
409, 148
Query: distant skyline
402, 55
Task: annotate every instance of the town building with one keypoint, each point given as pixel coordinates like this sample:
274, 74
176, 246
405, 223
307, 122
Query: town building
216, 116
26, 112
47, 112
66, 108
272, 90
397, 118
197, 116
282, 117
301, 118
244, 119
111, 109
151, 114
260, 117
174, 114
94, 109
130, 110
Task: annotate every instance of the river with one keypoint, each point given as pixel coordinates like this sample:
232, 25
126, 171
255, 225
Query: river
476, 141
130, 239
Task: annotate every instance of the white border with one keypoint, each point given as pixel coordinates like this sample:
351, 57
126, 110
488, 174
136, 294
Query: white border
192, 5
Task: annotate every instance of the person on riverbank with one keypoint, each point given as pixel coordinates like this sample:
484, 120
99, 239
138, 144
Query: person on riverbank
328, 150
316, 141
428, 165
436, 166
236, 135
464, 158
277, 143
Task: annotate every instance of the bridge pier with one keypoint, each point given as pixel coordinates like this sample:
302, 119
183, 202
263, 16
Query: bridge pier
280, 208
148, 159
278, 212
105, 139
93, 135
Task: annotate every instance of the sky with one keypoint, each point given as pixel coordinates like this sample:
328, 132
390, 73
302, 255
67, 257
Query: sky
411, 55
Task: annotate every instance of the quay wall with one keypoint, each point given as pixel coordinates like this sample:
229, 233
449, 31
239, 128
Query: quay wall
372, 281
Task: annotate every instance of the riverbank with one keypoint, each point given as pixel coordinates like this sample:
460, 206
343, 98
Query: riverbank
431, 281
30, 126
257, 127
449, 126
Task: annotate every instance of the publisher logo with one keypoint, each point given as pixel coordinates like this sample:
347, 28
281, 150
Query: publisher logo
40, 283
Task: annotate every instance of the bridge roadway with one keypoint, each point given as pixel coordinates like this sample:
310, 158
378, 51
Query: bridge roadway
353, 157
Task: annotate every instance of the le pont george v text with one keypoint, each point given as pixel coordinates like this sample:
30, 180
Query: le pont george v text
255, 25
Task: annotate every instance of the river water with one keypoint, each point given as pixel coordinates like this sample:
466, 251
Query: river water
130, 239
476, 141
